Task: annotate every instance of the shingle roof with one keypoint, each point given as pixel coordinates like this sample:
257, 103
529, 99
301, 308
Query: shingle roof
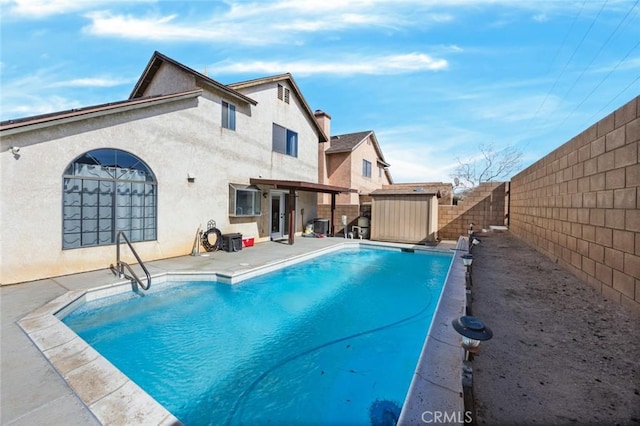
347, 142
350, 141
44, 120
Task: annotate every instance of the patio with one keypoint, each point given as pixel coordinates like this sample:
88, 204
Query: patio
33, 393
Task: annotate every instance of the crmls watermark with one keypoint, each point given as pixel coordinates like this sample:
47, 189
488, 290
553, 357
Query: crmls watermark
446, 417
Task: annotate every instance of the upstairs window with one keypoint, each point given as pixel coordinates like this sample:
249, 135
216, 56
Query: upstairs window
228, 116
244, 200
380, 171
283, 93
285, 141
366, 168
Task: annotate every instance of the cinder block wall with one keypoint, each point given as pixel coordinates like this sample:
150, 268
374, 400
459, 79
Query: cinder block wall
352, 211
580, 205
484, 207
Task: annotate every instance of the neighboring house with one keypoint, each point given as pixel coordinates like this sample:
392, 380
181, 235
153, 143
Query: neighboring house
181, 151
352, 160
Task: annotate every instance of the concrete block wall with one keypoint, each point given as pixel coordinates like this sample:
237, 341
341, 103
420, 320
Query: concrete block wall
352, 211
485, 206
580, 205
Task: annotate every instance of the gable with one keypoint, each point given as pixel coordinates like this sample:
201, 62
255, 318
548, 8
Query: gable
164, 75
285, 90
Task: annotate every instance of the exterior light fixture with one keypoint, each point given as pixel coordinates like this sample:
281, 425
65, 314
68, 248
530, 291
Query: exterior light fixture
473, 241
191, 177
15, 150
473, 331
467, 260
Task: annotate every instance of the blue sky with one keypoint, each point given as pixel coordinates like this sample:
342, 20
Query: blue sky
433, 79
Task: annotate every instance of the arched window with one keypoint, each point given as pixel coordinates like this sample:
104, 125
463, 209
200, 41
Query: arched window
106, 191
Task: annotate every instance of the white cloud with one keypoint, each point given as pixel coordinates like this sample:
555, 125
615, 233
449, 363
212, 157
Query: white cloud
28, 105
425, 152
540, 17
262, 23
36, 9
91, 82
38, 92
371, 65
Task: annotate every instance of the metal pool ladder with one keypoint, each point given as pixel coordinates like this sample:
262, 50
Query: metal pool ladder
119, 269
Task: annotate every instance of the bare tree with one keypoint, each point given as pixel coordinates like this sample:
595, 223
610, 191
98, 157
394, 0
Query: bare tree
489, 166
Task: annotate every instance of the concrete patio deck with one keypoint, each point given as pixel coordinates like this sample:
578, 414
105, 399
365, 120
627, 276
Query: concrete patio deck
34, 393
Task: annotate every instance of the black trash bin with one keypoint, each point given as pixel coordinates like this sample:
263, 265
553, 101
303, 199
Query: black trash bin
232, 242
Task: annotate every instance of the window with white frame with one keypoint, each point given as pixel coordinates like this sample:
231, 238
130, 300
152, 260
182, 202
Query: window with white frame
244, 200
285, 141
105, 191
284, 93
366, 168
228, 116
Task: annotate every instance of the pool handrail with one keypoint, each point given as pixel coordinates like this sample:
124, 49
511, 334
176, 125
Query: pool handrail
121, 265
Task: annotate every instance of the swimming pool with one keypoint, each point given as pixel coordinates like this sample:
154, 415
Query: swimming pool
343, 352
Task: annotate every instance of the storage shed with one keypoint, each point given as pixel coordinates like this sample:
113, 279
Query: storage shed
405, 215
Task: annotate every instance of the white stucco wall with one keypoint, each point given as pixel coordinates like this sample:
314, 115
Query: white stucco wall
271, 110
174, 139
170, 79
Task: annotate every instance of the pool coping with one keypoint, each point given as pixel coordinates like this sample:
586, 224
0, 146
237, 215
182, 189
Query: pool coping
435, 394
115, 399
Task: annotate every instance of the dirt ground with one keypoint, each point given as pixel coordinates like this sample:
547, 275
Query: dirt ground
561, 353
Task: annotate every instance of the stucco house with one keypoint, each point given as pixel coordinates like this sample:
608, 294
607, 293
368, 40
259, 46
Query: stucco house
184, 149
352, 160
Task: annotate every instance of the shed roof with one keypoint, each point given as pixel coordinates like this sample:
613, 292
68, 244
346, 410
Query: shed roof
406, 191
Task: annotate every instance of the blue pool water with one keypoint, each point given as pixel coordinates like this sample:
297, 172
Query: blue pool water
334, 340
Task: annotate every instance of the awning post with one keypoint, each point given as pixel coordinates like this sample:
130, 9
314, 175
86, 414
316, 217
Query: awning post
292, 215
333, 211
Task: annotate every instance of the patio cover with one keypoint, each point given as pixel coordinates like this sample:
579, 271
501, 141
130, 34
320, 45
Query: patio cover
294, 186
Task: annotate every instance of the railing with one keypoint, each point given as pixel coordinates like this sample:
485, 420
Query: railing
121, 265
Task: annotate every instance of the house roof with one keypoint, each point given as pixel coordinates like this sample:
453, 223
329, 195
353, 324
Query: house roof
350, 141
154, 65
296, 90
45, 120
347, 142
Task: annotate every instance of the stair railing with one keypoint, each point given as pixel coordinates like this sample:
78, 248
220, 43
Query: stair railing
122, 265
